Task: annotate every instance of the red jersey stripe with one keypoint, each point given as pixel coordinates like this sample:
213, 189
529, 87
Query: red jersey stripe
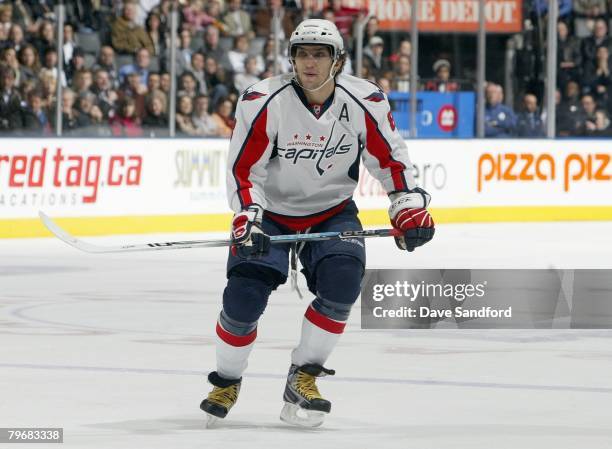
301, 223
378, 146
255, 145
325, 323
235, 340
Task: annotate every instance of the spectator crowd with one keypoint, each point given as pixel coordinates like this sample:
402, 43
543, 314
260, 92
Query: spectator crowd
116, 81
583, 98
115, 68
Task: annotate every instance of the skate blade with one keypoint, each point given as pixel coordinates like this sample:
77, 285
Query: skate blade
297, 416
211, 420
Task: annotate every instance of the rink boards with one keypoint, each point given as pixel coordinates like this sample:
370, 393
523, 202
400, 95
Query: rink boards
107, 186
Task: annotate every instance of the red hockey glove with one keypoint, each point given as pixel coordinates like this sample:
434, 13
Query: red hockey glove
248, 238
408, 213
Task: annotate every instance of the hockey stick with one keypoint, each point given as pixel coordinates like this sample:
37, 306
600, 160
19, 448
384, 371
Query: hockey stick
291, 238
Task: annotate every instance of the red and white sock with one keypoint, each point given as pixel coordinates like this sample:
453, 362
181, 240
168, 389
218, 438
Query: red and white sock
233, 352
320, 334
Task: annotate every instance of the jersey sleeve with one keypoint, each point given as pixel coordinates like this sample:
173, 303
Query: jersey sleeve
249, 153
385, 154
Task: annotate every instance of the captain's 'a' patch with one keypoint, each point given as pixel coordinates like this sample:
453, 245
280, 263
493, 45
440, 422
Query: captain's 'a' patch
344, 113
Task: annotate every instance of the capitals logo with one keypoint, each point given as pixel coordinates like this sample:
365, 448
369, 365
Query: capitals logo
315, 151
376, 97
252, 95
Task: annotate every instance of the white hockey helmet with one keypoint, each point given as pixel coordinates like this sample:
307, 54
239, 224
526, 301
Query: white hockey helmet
317, 31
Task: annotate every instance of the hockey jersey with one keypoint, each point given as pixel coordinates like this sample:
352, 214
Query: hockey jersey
302, 167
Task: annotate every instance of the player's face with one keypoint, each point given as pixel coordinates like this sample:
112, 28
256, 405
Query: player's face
312, 64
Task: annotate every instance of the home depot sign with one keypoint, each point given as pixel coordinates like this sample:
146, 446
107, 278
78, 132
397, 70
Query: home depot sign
439, 16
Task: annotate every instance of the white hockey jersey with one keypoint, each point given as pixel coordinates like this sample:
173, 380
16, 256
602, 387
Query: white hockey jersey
302, 168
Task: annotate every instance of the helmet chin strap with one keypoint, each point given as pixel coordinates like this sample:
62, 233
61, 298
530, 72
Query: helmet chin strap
329, 78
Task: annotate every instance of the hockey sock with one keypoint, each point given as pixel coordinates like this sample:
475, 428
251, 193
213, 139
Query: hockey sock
338, 280
320, 332
234, 343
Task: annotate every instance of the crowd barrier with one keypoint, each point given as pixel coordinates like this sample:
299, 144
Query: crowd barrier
106, 186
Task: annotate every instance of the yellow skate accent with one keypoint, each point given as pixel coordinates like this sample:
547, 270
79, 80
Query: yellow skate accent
306, 386
225, 397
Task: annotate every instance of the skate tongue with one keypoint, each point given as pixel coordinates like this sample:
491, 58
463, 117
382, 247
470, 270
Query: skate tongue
221, 382
316, 370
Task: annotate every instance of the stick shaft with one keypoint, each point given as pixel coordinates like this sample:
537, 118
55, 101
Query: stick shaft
158, 246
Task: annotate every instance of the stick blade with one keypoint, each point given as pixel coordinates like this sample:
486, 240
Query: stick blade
99, 249
67, 238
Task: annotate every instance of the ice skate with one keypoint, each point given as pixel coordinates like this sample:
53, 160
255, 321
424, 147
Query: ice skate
221, 399
304, 405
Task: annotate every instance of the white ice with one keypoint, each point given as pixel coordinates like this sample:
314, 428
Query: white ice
115, 349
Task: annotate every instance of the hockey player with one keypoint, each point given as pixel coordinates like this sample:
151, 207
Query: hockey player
293, 166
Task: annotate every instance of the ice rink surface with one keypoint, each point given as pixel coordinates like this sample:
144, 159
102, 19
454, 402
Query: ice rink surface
115, 349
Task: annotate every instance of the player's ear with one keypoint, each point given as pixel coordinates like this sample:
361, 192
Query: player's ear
338, 66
